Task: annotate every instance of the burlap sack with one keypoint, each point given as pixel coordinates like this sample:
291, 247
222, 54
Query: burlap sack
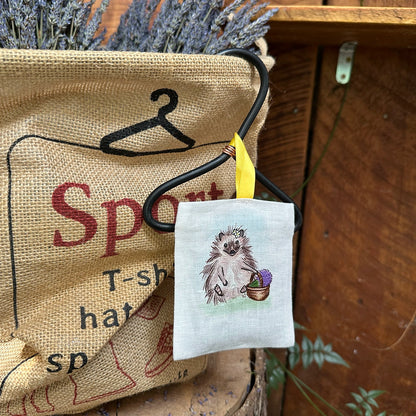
85, 137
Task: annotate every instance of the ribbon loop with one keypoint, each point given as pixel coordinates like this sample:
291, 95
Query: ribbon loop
245, 174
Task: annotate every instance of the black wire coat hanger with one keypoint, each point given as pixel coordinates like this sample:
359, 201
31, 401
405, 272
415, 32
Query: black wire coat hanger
223, 157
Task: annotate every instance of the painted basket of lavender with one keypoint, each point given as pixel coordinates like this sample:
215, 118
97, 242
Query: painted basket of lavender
259, 286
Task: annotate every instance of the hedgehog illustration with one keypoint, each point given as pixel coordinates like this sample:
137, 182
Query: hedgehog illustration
229, 267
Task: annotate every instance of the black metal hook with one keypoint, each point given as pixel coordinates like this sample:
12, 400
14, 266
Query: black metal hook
219, 160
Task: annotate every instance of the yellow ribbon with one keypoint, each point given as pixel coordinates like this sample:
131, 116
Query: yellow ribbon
245, 175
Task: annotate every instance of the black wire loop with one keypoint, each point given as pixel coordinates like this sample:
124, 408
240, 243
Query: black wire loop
223, 157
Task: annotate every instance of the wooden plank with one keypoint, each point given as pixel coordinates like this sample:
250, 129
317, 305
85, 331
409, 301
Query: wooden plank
332, 25
284, 140
373, 3
404, 16
357, 265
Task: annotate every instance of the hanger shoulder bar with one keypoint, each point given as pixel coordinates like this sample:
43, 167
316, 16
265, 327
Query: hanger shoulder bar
167, 186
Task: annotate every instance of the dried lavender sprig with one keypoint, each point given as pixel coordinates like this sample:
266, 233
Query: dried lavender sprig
126, 32
197, 26
133, 30
176, 26
223, 16
240, 32
157, 36
235, 23
87, 38
27, 37
50, 24
188, 25
193, 26
253, 31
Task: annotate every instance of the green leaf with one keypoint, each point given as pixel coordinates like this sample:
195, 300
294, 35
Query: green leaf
279, 376
294, 355
372, 401
319, 358
375, 393
382, 414
369, 413
307, 344
319, 345
335, 358
357, 398
274, 381
269, 367
328, 348
272, 364
294, 349
367, 408
307, 358
355, 408
363, 392
272, 359
300, 327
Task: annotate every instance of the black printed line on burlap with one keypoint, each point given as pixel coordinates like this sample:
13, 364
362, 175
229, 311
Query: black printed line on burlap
9, 192
13, 369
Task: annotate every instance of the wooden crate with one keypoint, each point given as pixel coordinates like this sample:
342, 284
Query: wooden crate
356, 263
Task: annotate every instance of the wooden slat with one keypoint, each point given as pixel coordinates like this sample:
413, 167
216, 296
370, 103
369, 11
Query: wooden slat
357, 263
344, 14
333, 25
284, 140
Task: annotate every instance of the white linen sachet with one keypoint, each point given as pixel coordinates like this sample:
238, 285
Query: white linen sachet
233, 276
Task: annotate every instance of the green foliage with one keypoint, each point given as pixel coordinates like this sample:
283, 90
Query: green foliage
276, 377
310, 352
299, 327
365, 403
307, 352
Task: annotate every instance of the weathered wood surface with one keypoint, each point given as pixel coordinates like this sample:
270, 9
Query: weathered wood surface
357, 263
373, 3
284, 140
283, 143
356, 15
333, 25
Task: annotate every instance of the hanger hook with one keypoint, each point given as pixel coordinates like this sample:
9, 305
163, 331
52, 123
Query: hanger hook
223, 157
263, 90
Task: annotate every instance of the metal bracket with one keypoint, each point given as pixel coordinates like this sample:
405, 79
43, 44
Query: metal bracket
345, 62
